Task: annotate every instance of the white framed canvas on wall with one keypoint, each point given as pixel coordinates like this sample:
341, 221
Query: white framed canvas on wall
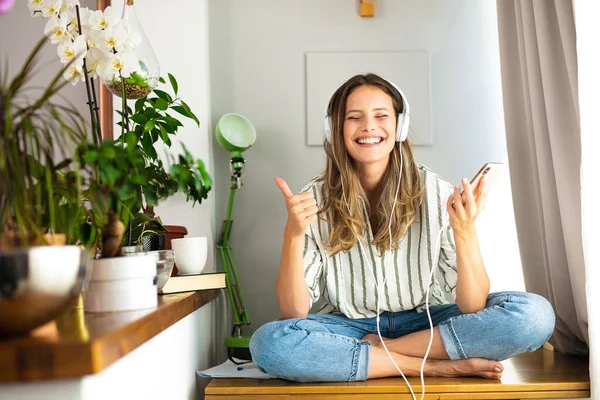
326, 71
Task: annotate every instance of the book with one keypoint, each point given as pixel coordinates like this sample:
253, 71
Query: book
189, 283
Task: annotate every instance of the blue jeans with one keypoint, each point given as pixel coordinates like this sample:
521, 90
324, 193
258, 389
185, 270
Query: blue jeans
328, 348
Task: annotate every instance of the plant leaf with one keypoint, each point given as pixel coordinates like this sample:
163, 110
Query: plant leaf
163, 95
150, 125
161, 104
165, 136
139, 104
190, 113
174, 84
155, 134
139, 118
147, 143
131, 139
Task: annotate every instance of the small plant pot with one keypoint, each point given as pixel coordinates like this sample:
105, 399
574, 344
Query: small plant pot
154, 242
122, 284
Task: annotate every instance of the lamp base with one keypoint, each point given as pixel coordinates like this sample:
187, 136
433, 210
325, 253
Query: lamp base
238, 347
240, 354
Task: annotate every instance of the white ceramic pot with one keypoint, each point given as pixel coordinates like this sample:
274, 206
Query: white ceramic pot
121, 284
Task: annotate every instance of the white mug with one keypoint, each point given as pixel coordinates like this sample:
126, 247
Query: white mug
190, 254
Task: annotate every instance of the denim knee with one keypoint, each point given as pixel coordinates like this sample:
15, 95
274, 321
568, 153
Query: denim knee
264, 347
304, 350
533, 321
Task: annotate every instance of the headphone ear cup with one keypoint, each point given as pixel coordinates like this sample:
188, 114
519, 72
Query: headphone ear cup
327, 128
402, 127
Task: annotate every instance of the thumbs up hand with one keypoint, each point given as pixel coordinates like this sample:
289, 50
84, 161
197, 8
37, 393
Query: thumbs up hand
302, 209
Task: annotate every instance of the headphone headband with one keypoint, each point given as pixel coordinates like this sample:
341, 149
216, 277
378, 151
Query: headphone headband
403, 118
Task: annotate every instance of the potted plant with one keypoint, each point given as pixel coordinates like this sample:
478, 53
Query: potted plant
41, 269
131, 177
155, 120
124, 176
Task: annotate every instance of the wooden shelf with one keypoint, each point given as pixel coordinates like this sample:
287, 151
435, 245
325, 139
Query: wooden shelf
78, 344
542, 374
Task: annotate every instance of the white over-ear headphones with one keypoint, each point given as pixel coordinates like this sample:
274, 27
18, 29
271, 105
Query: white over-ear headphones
403, 119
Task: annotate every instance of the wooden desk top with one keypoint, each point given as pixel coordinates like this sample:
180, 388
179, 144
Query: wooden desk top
77, 344
541, 374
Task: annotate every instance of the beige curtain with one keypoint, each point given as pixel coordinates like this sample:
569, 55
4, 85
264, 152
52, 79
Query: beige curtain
539, 83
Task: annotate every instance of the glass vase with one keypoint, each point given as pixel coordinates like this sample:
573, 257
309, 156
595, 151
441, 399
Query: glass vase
144, 78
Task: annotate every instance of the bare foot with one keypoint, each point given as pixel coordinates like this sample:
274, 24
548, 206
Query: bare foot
447, 368
470, 367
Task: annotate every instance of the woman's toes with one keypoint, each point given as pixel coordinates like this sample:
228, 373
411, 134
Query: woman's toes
497, 367
490, 375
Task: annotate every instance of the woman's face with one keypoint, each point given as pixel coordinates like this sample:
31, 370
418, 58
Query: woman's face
369, 125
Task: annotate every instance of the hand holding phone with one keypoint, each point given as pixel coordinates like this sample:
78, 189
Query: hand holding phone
493, 171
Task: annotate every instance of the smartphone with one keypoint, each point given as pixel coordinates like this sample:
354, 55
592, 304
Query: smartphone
493, 171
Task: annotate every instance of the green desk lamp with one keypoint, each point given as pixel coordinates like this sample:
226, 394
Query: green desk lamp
235, 133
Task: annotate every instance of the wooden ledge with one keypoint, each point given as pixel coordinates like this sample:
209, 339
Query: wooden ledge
78, 344
539, 375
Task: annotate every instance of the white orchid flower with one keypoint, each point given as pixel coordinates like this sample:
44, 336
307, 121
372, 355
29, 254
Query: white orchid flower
101, 20
35, 8
113, 38
130, 37
56, 29
125, 63
51, 8
72, 26
85, 14
72, 23
74, 73
95, 39
69, 6
95, 61
67, 49
121, 37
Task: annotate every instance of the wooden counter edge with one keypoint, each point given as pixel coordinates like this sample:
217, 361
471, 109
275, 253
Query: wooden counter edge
117, 344
73, 360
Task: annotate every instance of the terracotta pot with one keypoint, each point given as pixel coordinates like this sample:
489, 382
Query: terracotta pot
174, 232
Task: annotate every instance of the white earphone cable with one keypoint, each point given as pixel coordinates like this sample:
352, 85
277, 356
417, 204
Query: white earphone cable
431, 275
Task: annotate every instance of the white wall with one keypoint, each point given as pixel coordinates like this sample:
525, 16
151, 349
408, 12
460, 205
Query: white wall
257, 56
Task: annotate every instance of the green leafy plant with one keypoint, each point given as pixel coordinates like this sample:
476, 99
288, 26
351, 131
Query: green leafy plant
53, 180
40, 186
153, 120
129, 178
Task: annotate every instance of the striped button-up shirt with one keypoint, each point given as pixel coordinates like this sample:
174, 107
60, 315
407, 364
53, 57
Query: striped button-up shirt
346, 282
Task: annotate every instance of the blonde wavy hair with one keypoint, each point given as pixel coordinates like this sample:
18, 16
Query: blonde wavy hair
343, 194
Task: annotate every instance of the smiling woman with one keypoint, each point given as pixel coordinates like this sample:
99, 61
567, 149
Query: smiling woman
366, 238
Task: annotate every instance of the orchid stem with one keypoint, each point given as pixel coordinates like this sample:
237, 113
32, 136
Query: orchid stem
91, 102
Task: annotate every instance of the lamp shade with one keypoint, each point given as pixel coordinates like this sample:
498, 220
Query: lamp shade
235, 132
